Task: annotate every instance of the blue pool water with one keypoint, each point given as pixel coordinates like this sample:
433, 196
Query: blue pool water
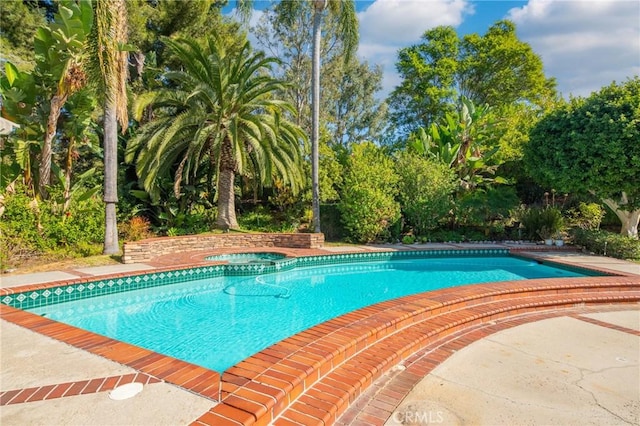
218, 322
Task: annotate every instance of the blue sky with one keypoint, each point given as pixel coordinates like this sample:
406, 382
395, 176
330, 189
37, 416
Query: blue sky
584, 44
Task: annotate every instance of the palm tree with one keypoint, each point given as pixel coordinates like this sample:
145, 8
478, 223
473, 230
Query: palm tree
110, 67
345, 11
220, 114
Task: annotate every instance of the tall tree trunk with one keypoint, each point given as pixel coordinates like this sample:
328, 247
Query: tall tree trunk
110, 178
319, 6
57, 102
226, 194
67, 174
629, 218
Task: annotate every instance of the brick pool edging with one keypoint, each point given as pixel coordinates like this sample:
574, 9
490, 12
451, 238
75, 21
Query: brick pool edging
334, 362
378, 403
292, 375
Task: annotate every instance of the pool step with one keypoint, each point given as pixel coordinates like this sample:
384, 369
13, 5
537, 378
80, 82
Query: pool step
349, 380
312, 377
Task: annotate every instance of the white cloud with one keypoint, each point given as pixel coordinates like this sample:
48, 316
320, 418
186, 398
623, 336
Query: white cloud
584, 44
401, 22
388, 25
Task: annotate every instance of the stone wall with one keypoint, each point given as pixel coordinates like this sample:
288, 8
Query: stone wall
145, 250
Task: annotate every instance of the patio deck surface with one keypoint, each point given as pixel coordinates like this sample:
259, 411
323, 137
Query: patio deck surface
504, 358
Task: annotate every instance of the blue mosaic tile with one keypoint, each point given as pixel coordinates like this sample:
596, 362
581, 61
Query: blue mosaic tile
280, 263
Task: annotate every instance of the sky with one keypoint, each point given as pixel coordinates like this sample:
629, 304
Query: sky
584, 44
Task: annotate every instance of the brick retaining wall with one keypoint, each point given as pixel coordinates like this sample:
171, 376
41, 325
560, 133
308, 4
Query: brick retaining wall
145, 250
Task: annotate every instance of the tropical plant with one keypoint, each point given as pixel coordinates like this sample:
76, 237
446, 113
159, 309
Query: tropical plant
462, 141
36, 99
220, 113
590, 147
59, 49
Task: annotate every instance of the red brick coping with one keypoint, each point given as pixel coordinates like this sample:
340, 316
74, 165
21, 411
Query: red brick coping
376, 405
312, 377
62, 390
146, 250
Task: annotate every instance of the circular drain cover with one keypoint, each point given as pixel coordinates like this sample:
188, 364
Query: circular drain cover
125, 391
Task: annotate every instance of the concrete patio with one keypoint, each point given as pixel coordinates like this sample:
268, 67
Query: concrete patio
576, 366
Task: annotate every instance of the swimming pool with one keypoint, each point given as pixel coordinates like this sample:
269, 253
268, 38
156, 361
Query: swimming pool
217, 322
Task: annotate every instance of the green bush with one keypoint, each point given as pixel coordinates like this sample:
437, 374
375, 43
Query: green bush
367, 202
607, 243
331, 221
488, 208
586, 216
408, 239
82, 223
426, 191
542, 223
31, 229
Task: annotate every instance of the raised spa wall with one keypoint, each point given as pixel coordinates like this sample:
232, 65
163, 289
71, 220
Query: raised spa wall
145, 250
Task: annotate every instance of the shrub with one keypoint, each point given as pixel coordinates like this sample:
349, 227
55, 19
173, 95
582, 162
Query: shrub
408, 239
542, 223
136, 228
367, 202
607, 243
82, 223
30, 229
426, 191
586, 215
486, 208
332, 227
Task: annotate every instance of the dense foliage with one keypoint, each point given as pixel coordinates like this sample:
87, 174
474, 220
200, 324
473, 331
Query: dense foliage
607, 244
591, 146
211, 127
496, 69
368, 204
426, 191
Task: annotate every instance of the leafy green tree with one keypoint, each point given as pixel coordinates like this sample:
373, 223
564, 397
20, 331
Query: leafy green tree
591, 146
499, 69
367, 201
428, 71
495, 69
426, 191
345, 13
350, 110
109, 62
219, 113
20, 21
